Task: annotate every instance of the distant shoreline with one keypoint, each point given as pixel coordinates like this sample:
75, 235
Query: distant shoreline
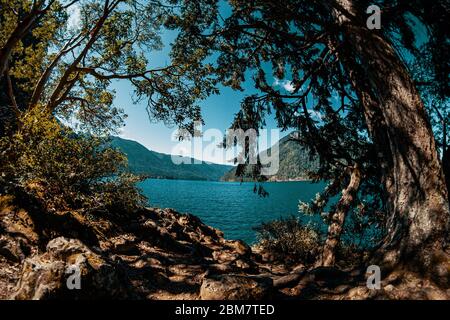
232, 181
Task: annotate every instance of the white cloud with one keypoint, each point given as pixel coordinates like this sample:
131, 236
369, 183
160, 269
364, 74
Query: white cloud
286, 84
74, 20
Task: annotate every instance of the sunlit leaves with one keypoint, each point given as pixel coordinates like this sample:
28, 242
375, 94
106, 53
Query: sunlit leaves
71, 55
65, 171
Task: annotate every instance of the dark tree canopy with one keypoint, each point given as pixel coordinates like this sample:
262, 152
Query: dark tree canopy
365, 101
350, 93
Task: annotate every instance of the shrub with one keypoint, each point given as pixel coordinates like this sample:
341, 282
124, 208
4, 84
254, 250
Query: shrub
289, 240
64, 170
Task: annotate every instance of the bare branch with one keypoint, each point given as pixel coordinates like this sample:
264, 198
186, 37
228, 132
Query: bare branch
20, 31
72, 68
68, 47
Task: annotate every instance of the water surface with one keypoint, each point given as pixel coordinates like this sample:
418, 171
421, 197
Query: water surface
230, 206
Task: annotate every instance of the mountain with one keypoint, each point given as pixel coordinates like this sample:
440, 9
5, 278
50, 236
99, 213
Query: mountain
160, 165
294, 163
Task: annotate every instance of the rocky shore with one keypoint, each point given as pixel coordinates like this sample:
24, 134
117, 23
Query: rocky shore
158, 254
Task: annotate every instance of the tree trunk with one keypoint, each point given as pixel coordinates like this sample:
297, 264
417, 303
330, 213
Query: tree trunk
446, 165
338, 217
417, 203
15, 37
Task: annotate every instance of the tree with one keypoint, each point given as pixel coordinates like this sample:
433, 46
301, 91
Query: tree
79, 47
433, 90
58, 59
47, 164
398, 123
341, 70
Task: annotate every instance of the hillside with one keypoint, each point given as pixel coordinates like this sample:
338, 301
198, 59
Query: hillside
294, 164
159, 165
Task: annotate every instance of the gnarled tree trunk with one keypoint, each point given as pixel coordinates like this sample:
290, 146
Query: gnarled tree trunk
338, 217
418, 213
446, 165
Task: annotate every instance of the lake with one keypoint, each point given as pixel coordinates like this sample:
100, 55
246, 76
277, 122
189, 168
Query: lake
230, 206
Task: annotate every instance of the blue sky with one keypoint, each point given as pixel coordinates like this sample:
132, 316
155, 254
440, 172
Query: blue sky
218, 110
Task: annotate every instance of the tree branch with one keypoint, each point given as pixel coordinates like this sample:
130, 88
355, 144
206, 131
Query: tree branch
10, 92
20, 31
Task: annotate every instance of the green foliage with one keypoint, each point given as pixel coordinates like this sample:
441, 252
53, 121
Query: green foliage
288, 240
59, 59
65, 171
292, 241
66, 54
26, 62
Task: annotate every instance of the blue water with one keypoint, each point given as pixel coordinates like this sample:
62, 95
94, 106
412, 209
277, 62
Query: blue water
230, 206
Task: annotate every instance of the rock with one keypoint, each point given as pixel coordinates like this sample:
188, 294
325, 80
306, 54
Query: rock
267, 257
125, 244
342, 288
47, 275
224, 256
393, 277
436, 294
220, 267
279, 269
219, 233
441, 274
148, 262
300, 268
358, 293
11, 249
208, 240
241, 264
151, 224
185, 220
166, 242
286, 281
18, 223
389, 288
305, 283
240, 247
40, 279
186, 270
235, 287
